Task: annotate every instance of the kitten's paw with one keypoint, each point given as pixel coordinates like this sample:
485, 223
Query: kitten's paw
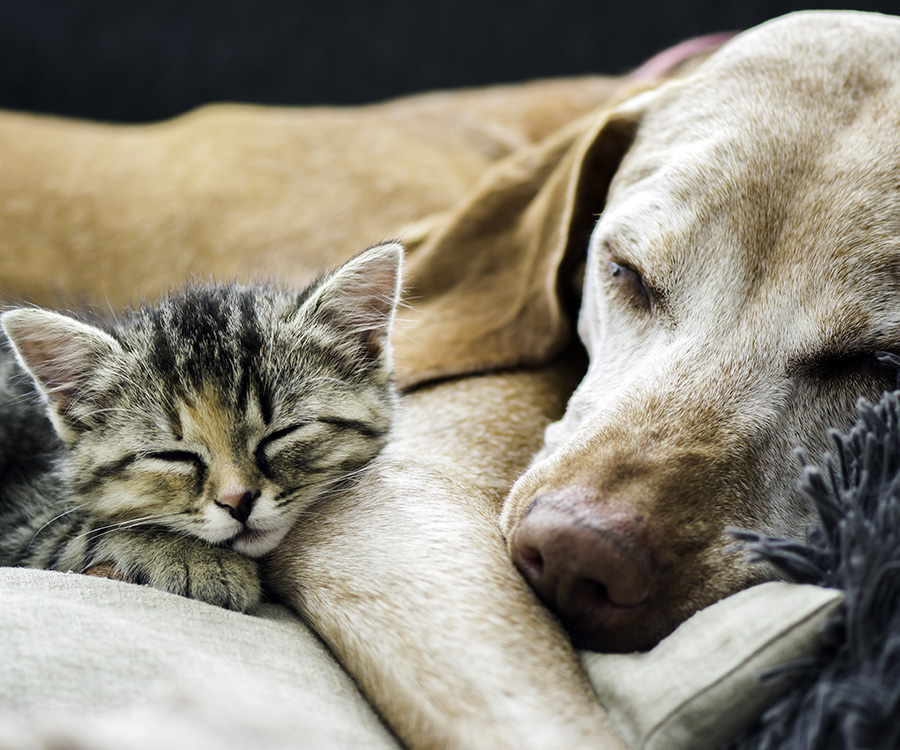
183, 565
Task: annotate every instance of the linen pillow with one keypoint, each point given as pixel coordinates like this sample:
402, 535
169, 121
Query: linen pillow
701, 685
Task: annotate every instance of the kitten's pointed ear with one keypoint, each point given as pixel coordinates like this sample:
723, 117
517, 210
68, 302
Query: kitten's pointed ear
60, 354
360, 297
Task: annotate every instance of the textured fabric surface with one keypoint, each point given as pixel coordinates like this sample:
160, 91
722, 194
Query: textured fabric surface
702, 683
93, 663
108, 664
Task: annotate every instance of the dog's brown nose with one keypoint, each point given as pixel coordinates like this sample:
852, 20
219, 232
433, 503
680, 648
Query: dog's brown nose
590, 567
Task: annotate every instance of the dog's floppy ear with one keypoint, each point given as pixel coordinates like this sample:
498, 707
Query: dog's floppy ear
485, 290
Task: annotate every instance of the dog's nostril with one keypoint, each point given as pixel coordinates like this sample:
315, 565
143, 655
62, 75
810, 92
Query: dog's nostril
531, 558
596, 591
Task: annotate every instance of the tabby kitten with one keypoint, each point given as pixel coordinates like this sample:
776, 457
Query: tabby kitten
187, 438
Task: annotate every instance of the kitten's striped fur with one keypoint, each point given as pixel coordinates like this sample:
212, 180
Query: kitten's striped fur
188, 437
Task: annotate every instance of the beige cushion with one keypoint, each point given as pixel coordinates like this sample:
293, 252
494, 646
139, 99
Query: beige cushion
701, 684
89, 663
106, 664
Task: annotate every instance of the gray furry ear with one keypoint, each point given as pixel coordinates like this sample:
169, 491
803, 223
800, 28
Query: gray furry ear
61, 355
360, 297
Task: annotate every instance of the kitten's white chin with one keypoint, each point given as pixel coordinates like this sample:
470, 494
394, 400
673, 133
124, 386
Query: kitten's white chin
256, 542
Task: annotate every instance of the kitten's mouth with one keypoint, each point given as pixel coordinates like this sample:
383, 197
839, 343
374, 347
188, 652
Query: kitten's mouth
253, 542
246, 535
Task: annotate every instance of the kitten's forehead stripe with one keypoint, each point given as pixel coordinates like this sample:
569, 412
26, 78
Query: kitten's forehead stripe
264, 399
251, 338
163, 356
242, 396
218, 337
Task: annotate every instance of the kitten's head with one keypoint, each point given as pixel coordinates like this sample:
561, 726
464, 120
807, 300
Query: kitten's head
223, 411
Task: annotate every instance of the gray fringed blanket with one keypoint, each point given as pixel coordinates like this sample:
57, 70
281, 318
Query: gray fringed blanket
849, 695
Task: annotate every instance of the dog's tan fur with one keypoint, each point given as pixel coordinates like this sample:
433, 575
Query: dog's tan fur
762, 211
110, 214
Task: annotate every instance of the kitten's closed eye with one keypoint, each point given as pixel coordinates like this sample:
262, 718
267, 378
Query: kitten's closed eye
295, 443
271, 441
182, 461
184, 457
324, 445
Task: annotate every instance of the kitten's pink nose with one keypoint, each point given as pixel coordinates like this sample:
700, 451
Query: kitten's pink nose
239, 504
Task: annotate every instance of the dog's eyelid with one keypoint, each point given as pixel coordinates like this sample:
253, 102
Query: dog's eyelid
612, 254
612, 250
632, 282
618, 266
841, 362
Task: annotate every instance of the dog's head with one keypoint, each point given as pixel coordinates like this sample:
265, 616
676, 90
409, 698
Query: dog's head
742, 277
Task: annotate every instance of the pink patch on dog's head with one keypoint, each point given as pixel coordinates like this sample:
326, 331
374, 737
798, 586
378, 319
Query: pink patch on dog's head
663, 63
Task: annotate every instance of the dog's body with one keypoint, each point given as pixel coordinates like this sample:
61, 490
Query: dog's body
103, 214
742, 275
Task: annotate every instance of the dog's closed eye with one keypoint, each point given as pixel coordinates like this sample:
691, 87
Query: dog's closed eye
630, 284
844, 364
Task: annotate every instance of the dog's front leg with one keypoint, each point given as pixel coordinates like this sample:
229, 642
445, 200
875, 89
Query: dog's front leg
407, 578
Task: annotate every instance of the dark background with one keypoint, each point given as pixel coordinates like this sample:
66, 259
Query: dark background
132, 60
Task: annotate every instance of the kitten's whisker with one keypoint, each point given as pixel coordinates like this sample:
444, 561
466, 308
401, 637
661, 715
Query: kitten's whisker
116, 525
111, 409
126, 524
353, 474
112, 311
55, 518
321, 487
97, 533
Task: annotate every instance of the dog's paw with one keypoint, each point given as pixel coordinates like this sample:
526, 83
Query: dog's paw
181, 565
